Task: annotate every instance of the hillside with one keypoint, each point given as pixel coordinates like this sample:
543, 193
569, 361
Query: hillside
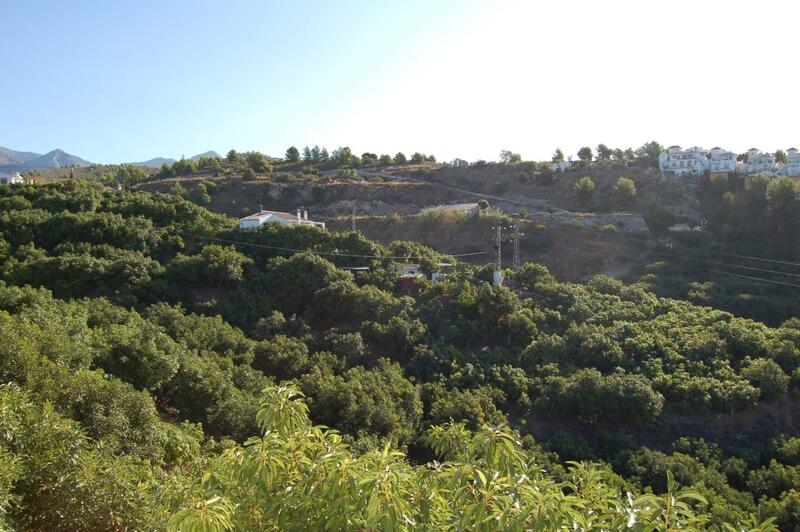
569, 251
403, 191
146, 341
518, 181
603, 234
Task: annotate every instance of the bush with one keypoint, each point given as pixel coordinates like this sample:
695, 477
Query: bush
379, 401
585, 188
592, 397
767, 376
625, 189
545, 174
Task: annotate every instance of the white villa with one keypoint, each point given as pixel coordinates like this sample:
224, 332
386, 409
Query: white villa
697, 161
693, 161
722, 160
760, 163
262, 217
11, 179
792, 166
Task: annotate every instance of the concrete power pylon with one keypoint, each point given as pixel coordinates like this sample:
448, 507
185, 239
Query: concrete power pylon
497, 276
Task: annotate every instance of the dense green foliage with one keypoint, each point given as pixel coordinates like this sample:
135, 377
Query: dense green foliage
144, 362
760, 214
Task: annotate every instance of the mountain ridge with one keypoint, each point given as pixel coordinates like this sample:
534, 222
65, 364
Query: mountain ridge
15, 161
9, 156
156, 162
25, 161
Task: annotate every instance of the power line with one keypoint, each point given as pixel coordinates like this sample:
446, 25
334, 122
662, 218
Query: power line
758, 279
669, 254
729, 265
724, 253
776, 261
633, 241
517, 234
498, 248
327, 253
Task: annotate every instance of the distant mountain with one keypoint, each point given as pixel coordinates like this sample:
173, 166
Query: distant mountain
9, 156
158, 161
56, 159
16, 161
206, 154
155, 163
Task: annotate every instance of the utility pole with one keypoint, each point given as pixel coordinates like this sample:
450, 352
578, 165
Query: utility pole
515, 262
497, 277
354, 216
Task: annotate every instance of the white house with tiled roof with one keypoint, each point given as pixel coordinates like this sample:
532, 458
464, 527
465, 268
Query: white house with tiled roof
693, 161
262, 217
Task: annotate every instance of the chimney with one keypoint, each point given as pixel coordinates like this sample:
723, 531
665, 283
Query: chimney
298, 214
305, 215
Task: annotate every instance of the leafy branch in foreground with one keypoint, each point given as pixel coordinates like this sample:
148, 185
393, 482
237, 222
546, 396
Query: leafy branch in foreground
296, 476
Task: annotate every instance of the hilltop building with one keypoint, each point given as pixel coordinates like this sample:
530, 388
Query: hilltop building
760, 163
693, 161
258, 219
11, 179
697, 161
792, 166
722, 161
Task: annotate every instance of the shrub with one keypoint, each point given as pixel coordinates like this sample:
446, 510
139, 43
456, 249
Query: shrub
585, 188
625, 189
767, 376
592, 397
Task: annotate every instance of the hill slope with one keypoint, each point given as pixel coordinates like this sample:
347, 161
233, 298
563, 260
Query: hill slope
210, 153
9, 156
156, 162
57, 158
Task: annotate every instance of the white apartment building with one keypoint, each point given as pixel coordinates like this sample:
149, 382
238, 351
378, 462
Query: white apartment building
696, 161
761, 163
792, 166
693, 161
722, 160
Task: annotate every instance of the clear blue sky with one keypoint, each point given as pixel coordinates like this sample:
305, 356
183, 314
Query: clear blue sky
126, 81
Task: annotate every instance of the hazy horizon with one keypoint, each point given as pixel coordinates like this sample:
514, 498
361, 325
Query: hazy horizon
125, 83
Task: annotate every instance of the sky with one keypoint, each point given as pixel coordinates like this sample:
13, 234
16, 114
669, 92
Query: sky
127, 81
